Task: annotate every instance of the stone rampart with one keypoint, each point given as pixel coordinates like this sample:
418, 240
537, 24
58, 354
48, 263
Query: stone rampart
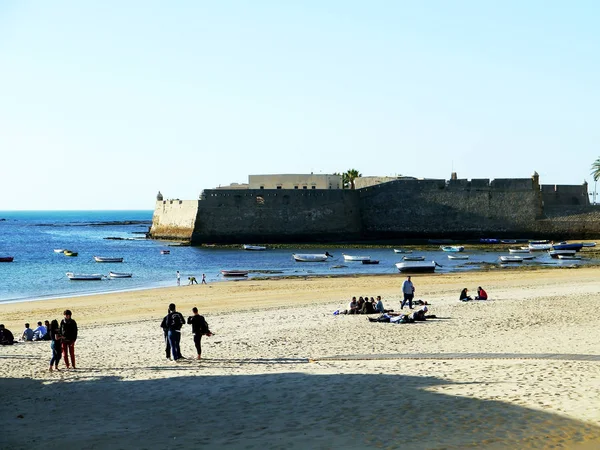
174, 219
554, 195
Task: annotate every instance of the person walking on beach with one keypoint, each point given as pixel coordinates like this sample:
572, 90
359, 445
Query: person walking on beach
408, 289
175, 321
203, 279
55, 344
68, 331
178, 278
164, 325
199, 328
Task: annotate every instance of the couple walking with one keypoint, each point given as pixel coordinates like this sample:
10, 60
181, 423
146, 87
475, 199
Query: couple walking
172, 324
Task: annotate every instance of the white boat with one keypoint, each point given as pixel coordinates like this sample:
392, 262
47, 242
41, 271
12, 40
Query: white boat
539, 247
401, 250
119, 275
528, 257
519, 250
458, 256
452, 248
84, 277
311, 257
511, 259
165, 252
107, 260
557, 253
416, 266
59, 250
413, 258
569, 257
355, 258
589, 244
254, 248
234, 273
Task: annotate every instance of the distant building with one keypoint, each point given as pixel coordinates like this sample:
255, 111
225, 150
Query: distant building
234, 186
295, 181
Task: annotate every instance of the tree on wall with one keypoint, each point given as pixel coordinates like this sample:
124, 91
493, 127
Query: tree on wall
349, 177
596, 175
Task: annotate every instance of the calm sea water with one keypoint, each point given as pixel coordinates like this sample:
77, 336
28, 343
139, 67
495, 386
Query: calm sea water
38, 272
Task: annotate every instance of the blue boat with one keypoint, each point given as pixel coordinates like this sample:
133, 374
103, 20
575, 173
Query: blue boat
567, 246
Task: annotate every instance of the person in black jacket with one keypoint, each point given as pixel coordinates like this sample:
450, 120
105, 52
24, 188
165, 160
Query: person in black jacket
199, 328
68, 331
55, 345
175, 321
6, 337
165, 328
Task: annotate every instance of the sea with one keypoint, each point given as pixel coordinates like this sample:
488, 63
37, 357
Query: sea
38, 272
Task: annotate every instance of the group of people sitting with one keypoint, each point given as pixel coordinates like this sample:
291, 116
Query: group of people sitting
481, 295
364, 305
39, 334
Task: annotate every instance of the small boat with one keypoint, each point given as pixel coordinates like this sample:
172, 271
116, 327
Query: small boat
589, 244
527, 257
566, 246
7, 258
413, 258
370, 261
254, 248
458, 256
508, 241
103, 259
401, 250
525, 248
355, 258
234, 273
511, 259
59, 250
84, 277
542, 241
569, 257
539, 247
489, 241
416, 266
453, 248
311, 257
557, 253
519, 250
165, 252
119, 275
70, 253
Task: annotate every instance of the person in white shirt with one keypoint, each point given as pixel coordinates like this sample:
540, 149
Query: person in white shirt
408, 289
39, 332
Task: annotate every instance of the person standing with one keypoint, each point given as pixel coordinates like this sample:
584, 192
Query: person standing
165, 326
199, 328
175, 321
203, 279
408, 289
55, 344
178, 278
68, 331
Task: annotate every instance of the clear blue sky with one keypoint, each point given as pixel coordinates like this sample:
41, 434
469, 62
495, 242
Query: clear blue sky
104, 103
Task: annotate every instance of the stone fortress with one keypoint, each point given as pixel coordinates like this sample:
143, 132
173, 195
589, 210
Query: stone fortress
316, 208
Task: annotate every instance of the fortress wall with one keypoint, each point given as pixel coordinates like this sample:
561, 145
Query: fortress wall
565, 195
174, 219
273, 215
427, 208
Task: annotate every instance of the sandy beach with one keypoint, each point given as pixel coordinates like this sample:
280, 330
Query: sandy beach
521, 370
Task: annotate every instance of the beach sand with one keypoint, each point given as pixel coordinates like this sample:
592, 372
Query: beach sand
521, 370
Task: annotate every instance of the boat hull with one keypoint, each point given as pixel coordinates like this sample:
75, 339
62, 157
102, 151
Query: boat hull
556, 253
310, 257
453, 248
234, 273
370, 261
7, 258
102, 259
416, 266
84, 277
254, 248
355, 258
575, 247
119, 275
458, 256
414, 258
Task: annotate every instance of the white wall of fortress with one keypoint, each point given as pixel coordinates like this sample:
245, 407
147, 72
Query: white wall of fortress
174, 219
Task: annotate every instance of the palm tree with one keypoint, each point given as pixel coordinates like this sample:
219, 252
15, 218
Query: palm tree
596, 175
349, 177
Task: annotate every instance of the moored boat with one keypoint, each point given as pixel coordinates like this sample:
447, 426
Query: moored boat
569, 257
254, 248
84, 277
458, 256
453, 248
70, 253
402, 250
119, 275
511, 259
508, 241
589, 244
370, 261
413, 258
234, 273
104, 259
355, 258
59, 250
311, 257
539, 247
416, 266
519, 250
165, 252
556, 253
7, 258
568, 246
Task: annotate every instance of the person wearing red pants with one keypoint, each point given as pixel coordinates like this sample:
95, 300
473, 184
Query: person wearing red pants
68, 331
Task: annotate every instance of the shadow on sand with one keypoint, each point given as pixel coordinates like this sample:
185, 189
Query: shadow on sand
285, 410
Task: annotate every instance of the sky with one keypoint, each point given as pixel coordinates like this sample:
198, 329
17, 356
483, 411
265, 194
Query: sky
103, 104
